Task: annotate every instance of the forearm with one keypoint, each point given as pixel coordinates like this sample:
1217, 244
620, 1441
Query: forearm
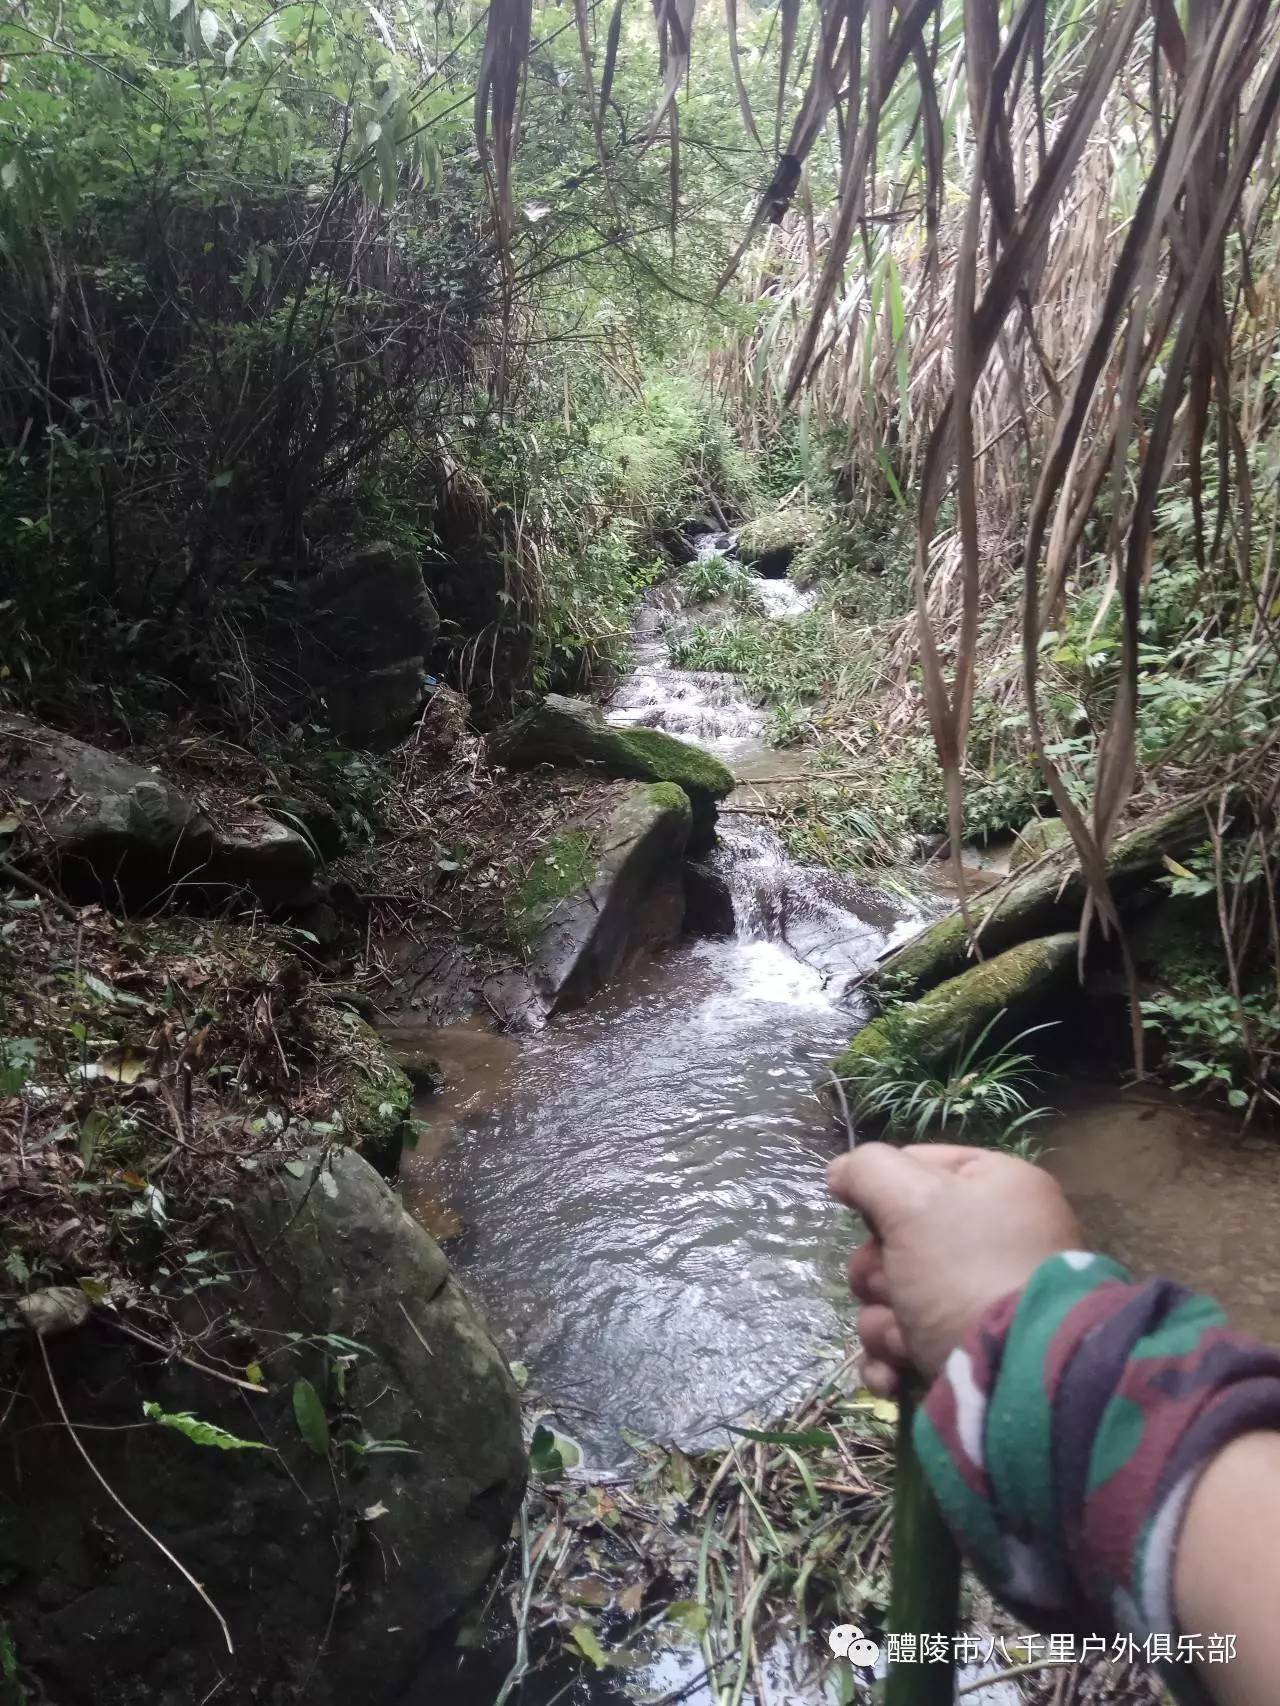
1227, 1576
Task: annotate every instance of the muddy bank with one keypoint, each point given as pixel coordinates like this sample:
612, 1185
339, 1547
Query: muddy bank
1173, 1189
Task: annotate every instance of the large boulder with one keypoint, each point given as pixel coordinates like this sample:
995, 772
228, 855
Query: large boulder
1043, 899
379, 1509
371, 627
954, 1013
573, 733
594, 902
106, 822
110, 828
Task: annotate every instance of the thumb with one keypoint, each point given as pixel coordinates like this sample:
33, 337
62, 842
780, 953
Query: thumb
887, 1186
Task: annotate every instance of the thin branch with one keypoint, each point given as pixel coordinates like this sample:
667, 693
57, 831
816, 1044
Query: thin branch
117, 1500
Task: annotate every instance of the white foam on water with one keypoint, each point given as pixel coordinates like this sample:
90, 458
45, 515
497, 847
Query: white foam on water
783, 598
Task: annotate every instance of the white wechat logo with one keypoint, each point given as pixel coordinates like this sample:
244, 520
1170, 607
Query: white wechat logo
847, 1641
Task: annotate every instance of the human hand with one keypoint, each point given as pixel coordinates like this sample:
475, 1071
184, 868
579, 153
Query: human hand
952, 1231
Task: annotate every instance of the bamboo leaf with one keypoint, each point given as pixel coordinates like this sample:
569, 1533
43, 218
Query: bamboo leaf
308, 1412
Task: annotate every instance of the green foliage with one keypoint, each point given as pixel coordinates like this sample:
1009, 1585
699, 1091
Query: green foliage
714, 577
551, 1453
11, 1668
829, 826
775, 530
788, 663
18, 1056
1213, 1041
981, 1094
309, 1413
198, 1432
671, 454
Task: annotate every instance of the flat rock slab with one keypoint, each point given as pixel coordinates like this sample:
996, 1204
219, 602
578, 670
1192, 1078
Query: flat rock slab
573, 733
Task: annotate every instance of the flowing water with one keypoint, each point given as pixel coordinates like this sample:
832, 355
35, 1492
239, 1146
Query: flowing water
637, 1194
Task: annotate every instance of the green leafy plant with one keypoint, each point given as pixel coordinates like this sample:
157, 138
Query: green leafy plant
713, 577
1216, 1043
18, 1056
983, 1093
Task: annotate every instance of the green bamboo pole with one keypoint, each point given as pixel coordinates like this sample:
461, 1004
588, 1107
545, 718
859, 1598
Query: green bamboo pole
924, 1594
924, 1588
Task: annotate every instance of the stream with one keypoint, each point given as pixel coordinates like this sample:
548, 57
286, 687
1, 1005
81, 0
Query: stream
636, 1195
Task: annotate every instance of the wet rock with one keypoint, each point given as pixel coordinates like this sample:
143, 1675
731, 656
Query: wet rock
708, 900
332, 1567
770, 542
632, 903
955, 1012
370, 629
1037, 837
415, 1059
572, 732
110, 828
1041, 900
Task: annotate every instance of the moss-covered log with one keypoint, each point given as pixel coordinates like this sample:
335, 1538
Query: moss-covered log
1042, 900
954, 1012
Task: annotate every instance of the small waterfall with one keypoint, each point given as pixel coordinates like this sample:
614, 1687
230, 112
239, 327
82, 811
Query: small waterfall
832, 922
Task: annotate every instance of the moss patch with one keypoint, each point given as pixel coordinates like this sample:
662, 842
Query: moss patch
668, 796
566, 864
955, 1011
663, 758
374, 1101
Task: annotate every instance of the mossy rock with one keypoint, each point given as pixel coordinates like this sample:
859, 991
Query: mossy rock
572, 732
770, 542
592, 902
955, 1012
419, 1064
566, 864
375, 1099
1038, 901
1038, 837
